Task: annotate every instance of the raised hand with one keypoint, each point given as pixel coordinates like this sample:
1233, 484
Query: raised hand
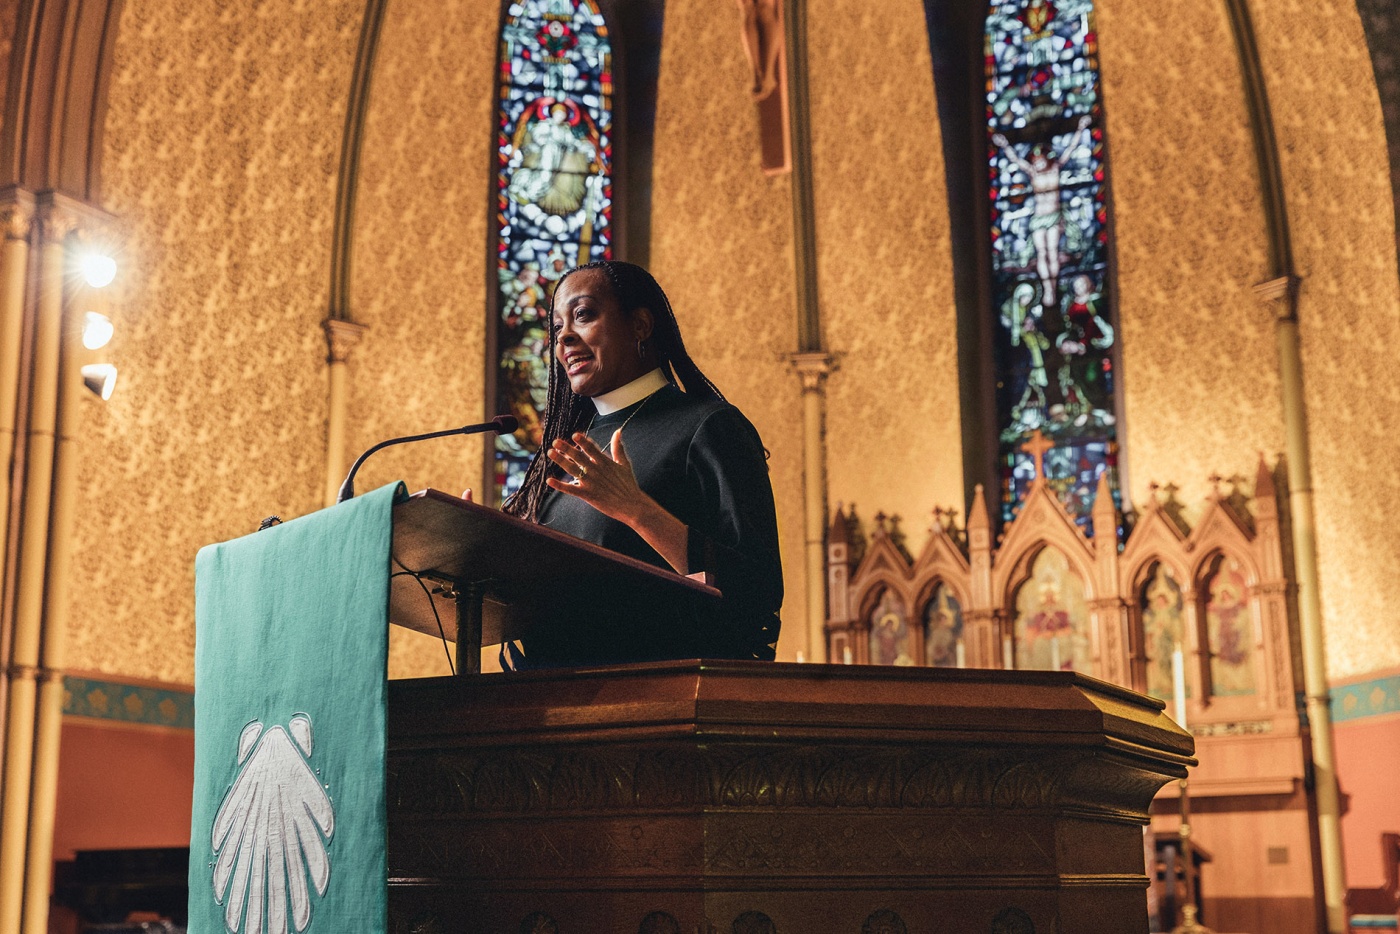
602, 479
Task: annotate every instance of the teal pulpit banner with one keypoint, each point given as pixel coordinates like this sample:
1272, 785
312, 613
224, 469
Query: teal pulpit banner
291, 645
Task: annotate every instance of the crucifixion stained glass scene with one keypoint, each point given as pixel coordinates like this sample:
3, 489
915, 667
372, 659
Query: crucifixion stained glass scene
1053, 332
553, 195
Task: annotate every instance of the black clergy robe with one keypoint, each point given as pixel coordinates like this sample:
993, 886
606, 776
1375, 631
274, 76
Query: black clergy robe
704, 463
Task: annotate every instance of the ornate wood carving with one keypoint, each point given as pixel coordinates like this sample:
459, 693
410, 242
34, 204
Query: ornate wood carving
1245, 529
758, 796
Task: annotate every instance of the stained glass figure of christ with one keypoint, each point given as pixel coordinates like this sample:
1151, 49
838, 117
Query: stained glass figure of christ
553, 195
1053, 337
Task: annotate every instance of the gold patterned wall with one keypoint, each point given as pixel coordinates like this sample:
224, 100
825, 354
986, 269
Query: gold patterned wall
884, 252
1200, 368
722, 250
222, 147
420, 250
222, 143
1332, 145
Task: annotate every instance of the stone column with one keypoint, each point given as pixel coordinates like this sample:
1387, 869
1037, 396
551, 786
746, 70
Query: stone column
341, 337
1282, 294
813, 369
16, 221
55, 226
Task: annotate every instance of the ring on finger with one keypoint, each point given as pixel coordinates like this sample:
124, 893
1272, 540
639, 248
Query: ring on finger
582, 472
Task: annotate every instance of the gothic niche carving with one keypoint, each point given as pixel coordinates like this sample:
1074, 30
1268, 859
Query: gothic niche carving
1047, 597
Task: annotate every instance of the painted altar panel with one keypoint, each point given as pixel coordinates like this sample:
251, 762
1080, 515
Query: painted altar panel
943, 629
1230, 631
889, 632
1052, 630
1163, 628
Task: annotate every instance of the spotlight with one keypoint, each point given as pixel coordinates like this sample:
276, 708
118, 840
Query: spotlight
98, 269
101, 379
97, 330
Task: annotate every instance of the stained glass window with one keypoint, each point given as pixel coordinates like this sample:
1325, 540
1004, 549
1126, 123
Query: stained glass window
1230, 631
1052, 617
1053, 333
943, 630
553, 195
1163, 630
889, 632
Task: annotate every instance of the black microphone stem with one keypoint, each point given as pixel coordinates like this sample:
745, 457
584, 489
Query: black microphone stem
504, 424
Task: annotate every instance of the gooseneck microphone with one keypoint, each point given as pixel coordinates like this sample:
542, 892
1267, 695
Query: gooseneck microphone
502, 424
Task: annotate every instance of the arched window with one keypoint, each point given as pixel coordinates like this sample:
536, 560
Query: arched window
1163, 630
553, 195
1052, 617
1053, 336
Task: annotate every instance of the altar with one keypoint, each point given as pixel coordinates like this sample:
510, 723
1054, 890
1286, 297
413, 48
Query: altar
766, 797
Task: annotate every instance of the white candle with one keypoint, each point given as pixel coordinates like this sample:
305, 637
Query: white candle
1006, 653
800, 657
961, 655
846, 657
1179, 685
1054, 653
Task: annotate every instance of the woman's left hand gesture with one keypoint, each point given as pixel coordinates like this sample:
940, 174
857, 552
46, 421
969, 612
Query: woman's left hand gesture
602, 479
606, 482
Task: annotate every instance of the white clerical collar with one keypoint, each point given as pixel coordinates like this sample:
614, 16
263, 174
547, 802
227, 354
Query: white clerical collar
635, 391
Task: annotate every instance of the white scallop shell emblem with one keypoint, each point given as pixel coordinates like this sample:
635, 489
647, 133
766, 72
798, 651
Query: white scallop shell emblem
271, 832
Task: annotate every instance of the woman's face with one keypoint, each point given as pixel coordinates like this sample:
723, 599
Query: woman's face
595, 341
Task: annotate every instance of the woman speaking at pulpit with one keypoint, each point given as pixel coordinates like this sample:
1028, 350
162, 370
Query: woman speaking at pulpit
642, 455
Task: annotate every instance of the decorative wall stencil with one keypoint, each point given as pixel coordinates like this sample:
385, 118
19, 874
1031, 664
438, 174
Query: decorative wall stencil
887, 301
418, 278
128, 703
1347, 341
1368, 698
221, 143
737, 327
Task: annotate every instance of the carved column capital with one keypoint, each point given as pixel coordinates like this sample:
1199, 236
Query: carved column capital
16, 220
341, 337
813, 369
56, 223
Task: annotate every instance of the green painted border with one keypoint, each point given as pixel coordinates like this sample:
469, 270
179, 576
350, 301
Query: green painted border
127, 703
131, 703
1366, 699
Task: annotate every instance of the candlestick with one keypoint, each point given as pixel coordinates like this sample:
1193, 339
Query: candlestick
1179, 685
1006, 653
1054, 653
846, 657
961, 655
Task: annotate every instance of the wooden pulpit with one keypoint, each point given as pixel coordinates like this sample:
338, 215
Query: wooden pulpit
729, 796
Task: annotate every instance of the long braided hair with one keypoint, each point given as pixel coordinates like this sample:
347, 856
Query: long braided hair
567, 412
